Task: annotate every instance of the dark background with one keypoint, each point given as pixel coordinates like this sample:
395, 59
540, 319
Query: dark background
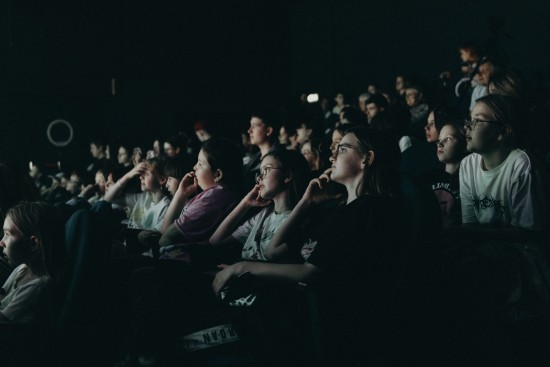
175, 61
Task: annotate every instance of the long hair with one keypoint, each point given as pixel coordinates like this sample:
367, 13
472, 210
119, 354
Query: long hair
381, 177
295, 166
43, 221
225, 155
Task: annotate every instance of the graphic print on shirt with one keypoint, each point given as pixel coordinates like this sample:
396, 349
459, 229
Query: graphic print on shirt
488, 203
308, 248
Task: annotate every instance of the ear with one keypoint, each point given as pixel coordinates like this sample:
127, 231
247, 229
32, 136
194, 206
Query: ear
35, 243
269, 131
368, 160
288, 179
177, 150
218, 175
505, 134
163, 180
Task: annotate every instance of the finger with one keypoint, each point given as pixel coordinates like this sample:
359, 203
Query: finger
222, 266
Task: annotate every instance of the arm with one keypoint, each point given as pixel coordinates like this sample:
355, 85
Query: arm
116, 189
171, 236
291, 273
315, 193
222, 234
188, 185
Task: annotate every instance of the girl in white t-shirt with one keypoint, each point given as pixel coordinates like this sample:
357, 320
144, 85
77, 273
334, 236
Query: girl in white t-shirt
283, 177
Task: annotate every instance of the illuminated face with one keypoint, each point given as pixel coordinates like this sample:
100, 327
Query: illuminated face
271, 178
172, 184
480, 138
448, 146
73, 185
170, 151
150, 180
347, 163
339, 99
484, 73
303, 133
399, 83
336, 138
283, 136
202, 135
14, 245
95, 151
412, 97
372, 110
203, 172
123, 156
431, 132
465, 55
311, 157
258, 132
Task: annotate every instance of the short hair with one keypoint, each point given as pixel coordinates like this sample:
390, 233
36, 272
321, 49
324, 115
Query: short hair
441, 116
158, 164
379, 100
471, 47
353, 115
176, 141
98, 142
270, 116
175, 167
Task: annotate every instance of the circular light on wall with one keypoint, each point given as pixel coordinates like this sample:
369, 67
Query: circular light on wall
55, 124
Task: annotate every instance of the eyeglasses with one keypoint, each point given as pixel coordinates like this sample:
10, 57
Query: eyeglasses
340, 148
471, 124
264, 171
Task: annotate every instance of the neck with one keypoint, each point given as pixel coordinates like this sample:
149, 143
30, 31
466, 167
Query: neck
493, 159
352, 189
264, 148
281, 202
157, 195
451, 167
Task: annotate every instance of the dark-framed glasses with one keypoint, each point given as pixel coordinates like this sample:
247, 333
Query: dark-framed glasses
264, 172
341, 148
471, 124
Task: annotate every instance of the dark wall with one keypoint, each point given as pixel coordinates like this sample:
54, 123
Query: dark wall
344, 45
174, 61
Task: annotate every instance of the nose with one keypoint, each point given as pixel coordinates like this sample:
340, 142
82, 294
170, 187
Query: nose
259, 177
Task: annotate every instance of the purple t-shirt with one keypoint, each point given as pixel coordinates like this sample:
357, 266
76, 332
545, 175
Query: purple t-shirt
203, 214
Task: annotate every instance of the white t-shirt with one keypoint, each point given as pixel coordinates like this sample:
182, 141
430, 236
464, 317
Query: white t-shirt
28, 302
144, 214
257, 232
505, 195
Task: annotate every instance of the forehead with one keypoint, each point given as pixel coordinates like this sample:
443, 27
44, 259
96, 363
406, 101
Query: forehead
371, 105
269, 161
448, 130
255, 121
336, 135
481, 109
9, 225
350, 139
